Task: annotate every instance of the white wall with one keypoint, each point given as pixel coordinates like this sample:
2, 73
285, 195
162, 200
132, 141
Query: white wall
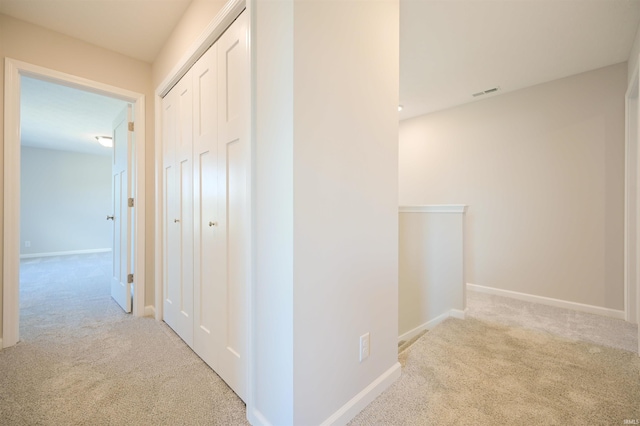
431, 267
326, 206
542, 170
65, 198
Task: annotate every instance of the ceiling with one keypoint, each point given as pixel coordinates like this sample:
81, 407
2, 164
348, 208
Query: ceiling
449, 50
452, 49
63, 118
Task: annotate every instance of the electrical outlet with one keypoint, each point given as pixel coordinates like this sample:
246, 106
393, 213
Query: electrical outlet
27, 243
364, 346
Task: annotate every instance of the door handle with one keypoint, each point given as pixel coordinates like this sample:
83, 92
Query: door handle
213, 223
176, 220
109, 217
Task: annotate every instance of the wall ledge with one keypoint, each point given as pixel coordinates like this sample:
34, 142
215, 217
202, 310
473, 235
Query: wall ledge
434, 208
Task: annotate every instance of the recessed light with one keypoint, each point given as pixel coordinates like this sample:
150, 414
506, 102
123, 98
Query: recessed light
105, 141
400, 108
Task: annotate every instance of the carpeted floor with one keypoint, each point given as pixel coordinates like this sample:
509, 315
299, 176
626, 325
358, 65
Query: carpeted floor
480, 373
83, 361
570, 324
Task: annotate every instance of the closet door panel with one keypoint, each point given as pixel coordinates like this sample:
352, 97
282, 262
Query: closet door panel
233, 166
171, 266
184, 154
210, 301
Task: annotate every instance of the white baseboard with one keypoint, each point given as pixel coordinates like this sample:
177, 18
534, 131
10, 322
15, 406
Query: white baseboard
455, 313
364, 398
64, 253
565, 304
149, 311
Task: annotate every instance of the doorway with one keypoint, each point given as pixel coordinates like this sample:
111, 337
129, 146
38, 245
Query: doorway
14, 71
66, 241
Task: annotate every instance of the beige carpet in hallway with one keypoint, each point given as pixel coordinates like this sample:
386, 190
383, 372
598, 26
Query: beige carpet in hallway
473, 372
82, 361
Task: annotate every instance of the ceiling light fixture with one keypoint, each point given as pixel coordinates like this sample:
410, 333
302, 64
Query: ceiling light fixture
105, 141
400, 108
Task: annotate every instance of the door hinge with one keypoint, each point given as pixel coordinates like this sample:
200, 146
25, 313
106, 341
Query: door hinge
130, 202
129, 278
131, 126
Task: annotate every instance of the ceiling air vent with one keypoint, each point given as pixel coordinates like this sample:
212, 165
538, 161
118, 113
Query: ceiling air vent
486, 92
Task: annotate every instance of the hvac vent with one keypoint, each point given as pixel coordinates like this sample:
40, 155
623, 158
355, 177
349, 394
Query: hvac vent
486, 92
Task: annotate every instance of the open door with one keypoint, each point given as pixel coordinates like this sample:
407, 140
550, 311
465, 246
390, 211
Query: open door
122, 276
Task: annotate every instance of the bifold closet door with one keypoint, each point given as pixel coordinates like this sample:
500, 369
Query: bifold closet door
206, 220
178, 208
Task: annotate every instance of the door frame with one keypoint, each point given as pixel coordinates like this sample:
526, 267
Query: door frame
14, 69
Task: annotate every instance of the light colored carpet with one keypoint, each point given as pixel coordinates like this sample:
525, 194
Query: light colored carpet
475, 372
82, 361
566, 323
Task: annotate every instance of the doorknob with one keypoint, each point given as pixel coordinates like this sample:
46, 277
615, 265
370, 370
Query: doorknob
213, 223
176, 220
109, 217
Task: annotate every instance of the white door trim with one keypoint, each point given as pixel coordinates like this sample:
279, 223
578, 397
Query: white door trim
231, 10
11, 242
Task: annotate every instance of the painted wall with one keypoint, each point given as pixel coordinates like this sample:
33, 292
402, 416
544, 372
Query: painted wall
272, 398
326, 205
65, 197
431, 270
542, 170
195, 19
36, 45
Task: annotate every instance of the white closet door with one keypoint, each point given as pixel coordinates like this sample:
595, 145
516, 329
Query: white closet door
179, 215
208, 253
233, 168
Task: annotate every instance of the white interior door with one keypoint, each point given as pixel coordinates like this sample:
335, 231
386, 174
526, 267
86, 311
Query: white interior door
121, 192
